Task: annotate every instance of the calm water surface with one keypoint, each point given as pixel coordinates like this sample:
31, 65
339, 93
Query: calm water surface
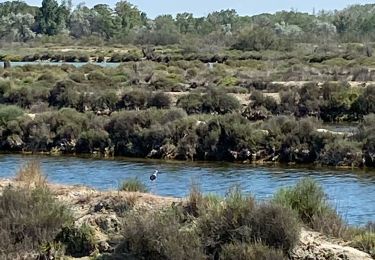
353, 193
76, 64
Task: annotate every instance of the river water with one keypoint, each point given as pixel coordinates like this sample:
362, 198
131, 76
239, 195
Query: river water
352, 193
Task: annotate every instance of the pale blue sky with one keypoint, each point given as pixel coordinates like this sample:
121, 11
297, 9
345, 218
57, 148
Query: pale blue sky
243, 7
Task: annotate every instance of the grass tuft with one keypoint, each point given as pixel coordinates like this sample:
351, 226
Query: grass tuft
31, 174
133, 185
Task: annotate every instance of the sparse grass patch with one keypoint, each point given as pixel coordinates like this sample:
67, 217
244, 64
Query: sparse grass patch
365, 242
257, 251
133, 185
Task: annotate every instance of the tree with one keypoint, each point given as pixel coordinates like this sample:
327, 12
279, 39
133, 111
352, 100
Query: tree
105, 23
185, 23
17, 27
50, 18
81, 21
130, 15
17, 7
255, 39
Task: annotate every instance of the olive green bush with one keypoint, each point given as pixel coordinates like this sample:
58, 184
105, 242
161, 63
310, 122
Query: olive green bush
308, 199
35, 220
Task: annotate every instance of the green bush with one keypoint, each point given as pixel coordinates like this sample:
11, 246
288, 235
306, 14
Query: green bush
36, 217
341, 153
160, 100
158, 236
78, 242
308, 200
134, 100
191, 103
240, 219
64, 94
133, 185
8, 113
92, 140
255, 39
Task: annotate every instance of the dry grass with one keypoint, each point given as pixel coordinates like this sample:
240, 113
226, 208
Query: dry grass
31, 174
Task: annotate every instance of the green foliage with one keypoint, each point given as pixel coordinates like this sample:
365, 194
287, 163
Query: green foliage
51, 17
158, 236
160, 100
35, 220
240, 219
308, 200
78, 242
255, 39
341, 153
133, 185
9, 113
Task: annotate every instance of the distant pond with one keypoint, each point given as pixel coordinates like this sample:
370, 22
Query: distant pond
76, 64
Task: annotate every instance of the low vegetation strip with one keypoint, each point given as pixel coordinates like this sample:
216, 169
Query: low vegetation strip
184, 111
134, 225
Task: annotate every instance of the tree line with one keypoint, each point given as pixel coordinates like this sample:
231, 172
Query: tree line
125, 23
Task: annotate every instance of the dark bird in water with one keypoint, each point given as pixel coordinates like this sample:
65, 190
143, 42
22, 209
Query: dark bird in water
154, 175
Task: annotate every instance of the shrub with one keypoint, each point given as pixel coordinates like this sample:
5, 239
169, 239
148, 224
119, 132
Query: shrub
256, 39
134, 100
35, 220
220, 102
160, 100
242, 251
92, 140
64, 94
77, 77
239, 219
78, 242
341, 153
133, 185
308, 200
158, 236
275, 226
191, 103
8, 113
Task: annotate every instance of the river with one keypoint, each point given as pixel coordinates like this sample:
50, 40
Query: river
352, 193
